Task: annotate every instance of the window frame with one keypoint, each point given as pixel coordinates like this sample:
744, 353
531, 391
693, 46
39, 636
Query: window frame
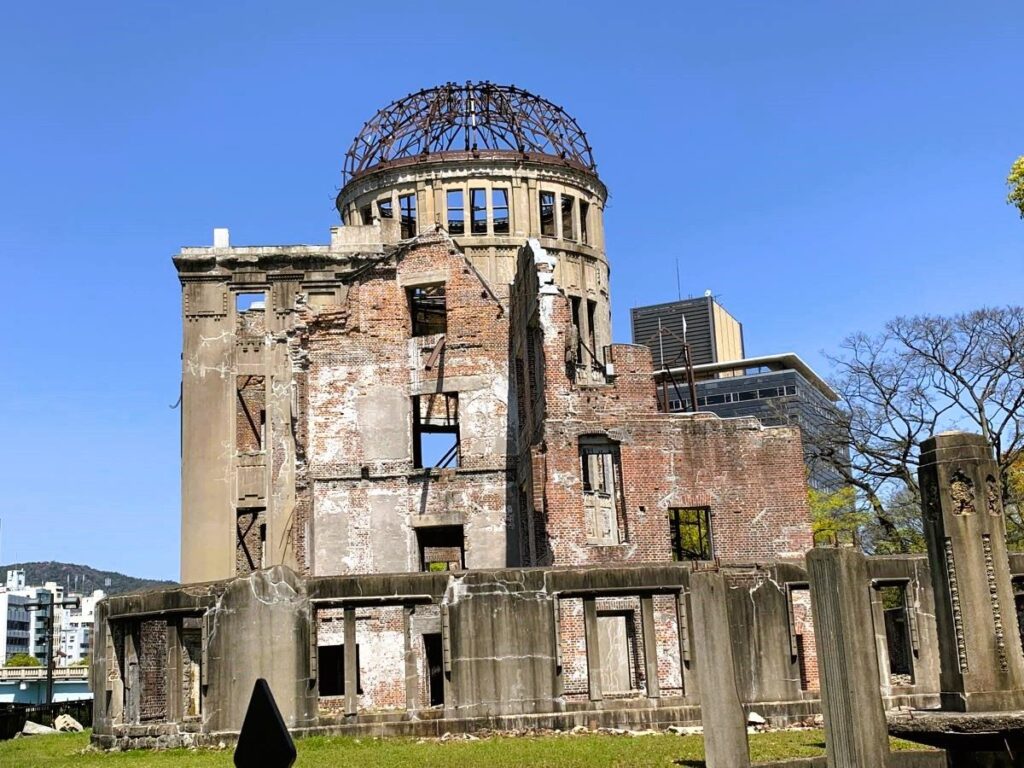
547, 228
416, 297
408, 220
611, 489
568, 227
506, 227
461, 208
474, 230
705, 533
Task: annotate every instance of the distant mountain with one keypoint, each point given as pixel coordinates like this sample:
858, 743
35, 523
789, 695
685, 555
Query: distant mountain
80, 578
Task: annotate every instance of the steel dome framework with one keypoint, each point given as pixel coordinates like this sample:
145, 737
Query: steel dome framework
469, 119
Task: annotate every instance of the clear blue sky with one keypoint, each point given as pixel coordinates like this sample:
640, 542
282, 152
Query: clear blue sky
820, 166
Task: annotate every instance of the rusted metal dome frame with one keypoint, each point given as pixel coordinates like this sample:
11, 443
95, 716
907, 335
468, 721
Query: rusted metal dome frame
470, 120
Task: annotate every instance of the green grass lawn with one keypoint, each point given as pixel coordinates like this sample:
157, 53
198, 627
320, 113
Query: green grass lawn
585, 751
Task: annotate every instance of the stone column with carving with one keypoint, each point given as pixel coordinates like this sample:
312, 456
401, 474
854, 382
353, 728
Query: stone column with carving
982, 668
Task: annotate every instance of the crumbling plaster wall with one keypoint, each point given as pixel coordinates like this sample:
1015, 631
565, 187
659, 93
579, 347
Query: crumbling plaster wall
363, 369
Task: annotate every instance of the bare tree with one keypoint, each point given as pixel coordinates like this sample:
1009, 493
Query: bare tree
920, 376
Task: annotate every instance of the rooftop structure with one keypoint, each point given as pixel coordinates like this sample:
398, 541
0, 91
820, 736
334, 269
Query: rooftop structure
472, 120
775, 389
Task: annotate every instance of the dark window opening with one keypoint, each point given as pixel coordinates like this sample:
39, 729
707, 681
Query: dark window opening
407, 207
434, 652
499, 210
584, 229
456, 213
435, 430
576, 302
442, 548
898, 643
331, 670
366, 214
428, 310
478, 211
547, 214
263, 545
591, 323
601, 475
384, 208
568, 209
690, 529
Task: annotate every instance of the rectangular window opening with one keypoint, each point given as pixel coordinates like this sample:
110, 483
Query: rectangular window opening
591, 333
442, 548
331, 670
899, 646
250, 537
434, 652
568, 211
366, 214
621, 659
250, 413
547, 214
428, 310
478, 211
600, 473
690, 529
584, 228
254, 301
384, 208
576, 304
436, 431
407, 207
456, 212
499, 210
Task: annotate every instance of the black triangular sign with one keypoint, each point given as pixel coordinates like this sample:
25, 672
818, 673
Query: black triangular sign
264, 741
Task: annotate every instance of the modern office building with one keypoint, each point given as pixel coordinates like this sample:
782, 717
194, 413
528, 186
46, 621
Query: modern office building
776, 389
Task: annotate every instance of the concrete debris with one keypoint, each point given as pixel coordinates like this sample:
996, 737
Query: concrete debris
67, 724
685, 730
35, 729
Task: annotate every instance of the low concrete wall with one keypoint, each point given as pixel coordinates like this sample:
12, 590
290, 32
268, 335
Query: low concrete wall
449, 652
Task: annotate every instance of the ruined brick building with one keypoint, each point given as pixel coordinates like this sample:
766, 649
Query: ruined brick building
436, 388
421, 487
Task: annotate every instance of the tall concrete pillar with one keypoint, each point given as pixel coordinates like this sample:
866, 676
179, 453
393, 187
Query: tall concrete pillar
721, 712
856, 733
982, 668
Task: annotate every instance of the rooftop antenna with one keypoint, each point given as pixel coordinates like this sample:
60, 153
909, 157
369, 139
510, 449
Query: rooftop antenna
679, 285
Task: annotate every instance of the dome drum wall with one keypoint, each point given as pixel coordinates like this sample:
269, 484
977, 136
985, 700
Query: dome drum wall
493, 165
490, 207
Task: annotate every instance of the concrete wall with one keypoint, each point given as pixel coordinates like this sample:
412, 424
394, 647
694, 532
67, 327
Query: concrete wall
554, 647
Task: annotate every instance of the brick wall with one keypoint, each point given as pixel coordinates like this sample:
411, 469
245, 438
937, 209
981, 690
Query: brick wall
153, 669
751, 478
